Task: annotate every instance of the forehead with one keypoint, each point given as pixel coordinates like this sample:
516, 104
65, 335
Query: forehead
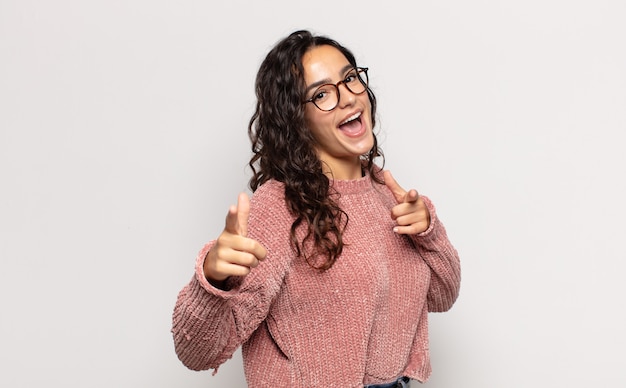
323, 63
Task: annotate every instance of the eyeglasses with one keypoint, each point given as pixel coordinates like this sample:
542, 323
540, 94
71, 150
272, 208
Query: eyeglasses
326, 97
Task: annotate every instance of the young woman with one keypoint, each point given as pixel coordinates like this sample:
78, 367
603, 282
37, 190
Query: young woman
327, 275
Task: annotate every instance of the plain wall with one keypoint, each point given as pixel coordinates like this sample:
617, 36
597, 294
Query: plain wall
123, 141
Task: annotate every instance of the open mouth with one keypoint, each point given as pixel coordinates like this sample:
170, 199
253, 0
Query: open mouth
352, 125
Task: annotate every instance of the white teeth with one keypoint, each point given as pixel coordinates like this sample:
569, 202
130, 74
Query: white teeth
353, 117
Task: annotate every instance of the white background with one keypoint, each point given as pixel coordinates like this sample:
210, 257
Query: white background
123, 141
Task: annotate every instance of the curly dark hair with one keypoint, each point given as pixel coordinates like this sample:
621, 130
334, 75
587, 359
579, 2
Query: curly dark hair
283, 148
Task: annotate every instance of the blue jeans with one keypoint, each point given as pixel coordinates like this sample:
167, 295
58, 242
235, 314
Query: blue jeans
402, 382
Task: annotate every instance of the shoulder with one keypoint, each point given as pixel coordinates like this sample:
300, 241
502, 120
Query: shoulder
269, 201
270, 220
270, 187
269, 194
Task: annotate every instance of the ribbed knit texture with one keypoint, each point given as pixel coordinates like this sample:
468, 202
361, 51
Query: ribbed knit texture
364, 321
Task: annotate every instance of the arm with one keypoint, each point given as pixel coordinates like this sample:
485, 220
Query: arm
443, 260
210, 323
203, 323
416, 217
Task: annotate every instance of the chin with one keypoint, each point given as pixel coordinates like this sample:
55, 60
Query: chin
366, 147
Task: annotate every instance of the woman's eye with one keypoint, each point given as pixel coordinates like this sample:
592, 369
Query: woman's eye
350, 78
320, 95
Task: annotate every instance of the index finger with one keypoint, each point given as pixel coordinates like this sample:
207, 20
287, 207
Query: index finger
412, 196
259, 251
231, 224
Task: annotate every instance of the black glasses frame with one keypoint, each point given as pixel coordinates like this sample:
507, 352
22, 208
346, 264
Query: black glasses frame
364, 82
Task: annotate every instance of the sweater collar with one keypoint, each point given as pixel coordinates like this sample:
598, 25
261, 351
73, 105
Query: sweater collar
352, 186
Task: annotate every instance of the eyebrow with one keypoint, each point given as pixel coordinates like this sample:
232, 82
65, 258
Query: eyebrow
326, 81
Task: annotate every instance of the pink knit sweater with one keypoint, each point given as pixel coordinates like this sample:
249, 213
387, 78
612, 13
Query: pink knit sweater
364, 321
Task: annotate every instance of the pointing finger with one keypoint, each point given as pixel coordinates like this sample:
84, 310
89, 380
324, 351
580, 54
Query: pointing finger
231, 220
412, 196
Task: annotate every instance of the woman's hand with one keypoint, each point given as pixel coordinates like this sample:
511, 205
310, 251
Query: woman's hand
234, 254
410, 213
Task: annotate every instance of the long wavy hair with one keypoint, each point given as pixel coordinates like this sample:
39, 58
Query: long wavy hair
283, 148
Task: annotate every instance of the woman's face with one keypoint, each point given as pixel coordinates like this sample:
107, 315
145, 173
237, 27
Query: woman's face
344, 133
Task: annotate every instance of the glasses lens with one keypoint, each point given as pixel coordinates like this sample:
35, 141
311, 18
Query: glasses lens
356, 80
326, 97
363, 77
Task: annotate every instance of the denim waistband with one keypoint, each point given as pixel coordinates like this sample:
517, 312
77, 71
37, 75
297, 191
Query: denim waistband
400, 383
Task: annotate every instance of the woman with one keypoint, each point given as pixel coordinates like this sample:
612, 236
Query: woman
327, 275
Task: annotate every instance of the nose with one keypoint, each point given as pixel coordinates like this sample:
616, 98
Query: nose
346, 97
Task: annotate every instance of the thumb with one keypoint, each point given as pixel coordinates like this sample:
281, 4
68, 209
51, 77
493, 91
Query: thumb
398, 192
243, 212
237, 217
395, 188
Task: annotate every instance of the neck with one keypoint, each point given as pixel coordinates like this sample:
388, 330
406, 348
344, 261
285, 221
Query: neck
343, 170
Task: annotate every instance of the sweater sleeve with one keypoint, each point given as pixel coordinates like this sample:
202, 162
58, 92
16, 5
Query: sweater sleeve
203, 324
208, 323
443, 260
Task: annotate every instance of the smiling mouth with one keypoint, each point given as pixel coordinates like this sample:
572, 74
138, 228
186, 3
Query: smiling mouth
352, 126
356, 116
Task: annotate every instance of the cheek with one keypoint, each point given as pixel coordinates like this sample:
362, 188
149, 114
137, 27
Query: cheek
367, 103
320, 125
